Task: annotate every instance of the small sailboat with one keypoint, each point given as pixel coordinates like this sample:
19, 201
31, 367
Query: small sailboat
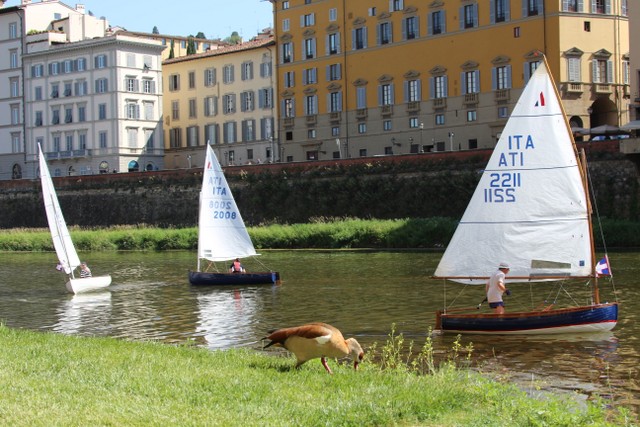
532, 210
222, 235
66, 251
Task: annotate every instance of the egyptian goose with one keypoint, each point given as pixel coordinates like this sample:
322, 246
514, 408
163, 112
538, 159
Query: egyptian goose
315, 340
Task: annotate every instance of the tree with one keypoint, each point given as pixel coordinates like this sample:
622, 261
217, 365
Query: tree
234, 38
200, 35
171, 52
191, 46
155, 30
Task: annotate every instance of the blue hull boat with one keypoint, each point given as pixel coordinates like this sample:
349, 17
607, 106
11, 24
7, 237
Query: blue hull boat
233, 279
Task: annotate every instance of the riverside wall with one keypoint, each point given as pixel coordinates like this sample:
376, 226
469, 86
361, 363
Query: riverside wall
417, 185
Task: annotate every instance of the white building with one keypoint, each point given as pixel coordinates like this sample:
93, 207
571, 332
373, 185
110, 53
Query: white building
95, 106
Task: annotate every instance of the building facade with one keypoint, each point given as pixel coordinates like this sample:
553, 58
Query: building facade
390, 77
224, 98
94, 106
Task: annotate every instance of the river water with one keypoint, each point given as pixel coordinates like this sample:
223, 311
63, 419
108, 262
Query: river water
362, 293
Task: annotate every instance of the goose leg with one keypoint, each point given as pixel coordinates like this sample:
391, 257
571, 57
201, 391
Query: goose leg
324, 363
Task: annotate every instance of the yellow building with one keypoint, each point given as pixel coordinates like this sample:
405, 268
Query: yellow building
385, 77
225, 98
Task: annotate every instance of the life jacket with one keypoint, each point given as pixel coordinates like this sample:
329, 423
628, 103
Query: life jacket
237, 266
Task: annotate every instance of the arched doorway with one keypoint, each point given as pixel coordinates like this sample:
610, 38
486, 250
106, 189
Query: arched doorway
577, 127
16, 172
603, 111
133, 166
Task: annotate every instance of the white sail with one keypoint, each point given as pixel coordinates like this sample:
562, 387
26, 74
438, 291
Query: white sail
62, 243
222, 235
530, 208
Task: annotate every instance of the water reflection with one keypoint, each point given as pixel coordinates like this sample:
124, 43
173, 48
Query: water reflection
84, 309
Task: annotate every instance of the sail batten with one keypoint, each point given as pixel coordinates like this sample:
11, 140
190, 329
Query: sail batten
222, 235
530, 202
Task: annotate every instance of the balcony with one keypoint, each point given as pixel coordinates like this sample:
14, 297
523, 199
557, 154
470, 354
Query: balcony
288, 122
361, 113
386, 110
311, 119
334, 117
573, 87
470, 99
413, 107
604, 88
503, 94
439, 103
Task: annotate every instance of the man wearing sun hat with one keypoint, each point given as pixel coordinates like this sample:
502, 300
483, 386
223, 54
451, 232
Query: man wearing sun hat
496, 287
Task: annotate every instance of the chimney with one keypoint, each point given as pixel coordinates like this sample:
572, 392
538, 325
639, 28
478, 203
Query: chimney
80, 8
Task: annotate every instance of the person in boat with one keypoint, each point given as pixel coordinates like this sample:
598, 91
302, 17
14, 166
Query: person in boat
85, 271
236, 267
496, 287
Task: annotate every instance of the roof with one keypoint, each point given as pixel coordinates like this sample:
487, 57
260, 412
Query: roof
253, 44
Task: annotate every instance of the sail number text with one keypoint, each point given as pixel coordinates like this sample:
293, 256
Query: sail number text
221, 209
502, 187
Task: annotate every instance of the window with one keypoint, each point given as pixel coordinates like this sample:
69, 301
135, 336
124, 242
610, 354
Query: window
81, 64
289, 79
372, 11
265, 98
499, 11
310, 105
471, 116
192, 136
362, 128
101, 61
102, 138
361, 97
333, 14
193, 112
132, 110
38, 121
534, 7
311, 134
501, 77
503, 112
148, 86
307, 20
13, 59
334, 72
247, 101
82, 113
67, 89
395, 5
131, 84
210, 106
385, 94
386, 125
37, 70
55, 116
229, 135
211, 134
14, 84
54, 68
13, 30
69, 142
385, 33
310, 48
333, 44
469, 15
602, 71
266, 128
530, 67
335, 102
266, 69
174, 82
359, 38
414, 123
209, 77
175, 138
175, 110
37, 94
335, 131
410, 28
55, 91
56, 143
192, 80
412, 91
68, 114
246, 71
81, 87
439, 119
471, 82
286, 25
228, 74
132, 137
439, 87
436, 22
289, 107
248, 130
286, 53
67, 66
149, 110
285, 5
102, 111
101, 86
310, 76
229, 103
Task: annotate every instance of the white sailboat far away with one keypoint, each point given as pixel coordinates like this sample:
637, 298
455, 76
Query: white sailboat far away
222, 235
66, 251
531, 210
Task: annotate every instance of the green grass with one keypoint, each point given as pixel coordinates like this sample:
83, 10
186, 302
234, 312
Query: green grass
321, 233
50, 379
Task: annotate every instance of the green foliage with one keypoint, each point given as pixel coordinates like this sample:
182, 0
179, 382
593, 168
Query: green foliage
172, 53
234, 38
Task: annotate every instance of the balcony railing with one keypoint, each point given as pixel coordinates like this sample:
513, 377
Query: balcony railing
439, 102
503, 94
289, 121
602, 87
573, 87
413, 107
386, 110
312, 119
361, 113
334, 117
471, 98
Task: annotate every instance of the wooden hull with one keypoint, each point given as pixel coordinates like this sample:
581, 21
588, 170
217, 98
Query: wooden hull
88, 284
234, 279
595, 318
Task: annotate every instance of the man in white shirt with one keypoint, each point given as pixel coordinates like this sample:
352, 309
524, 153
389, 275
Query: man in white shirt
496, 287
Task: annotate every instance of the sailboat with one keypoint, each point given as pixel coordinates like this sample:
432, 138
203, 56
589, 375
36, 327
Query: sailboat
66, 251
222, 235
531, 210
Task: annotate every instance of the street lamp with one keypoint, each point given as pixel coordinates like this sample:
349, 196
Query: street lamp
339, 150
451, 135
421, 131
189, 160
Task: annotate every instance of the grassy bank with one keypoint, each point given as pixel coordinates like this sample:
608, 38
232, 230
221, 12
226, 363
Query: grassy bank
324, 233
51, 379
